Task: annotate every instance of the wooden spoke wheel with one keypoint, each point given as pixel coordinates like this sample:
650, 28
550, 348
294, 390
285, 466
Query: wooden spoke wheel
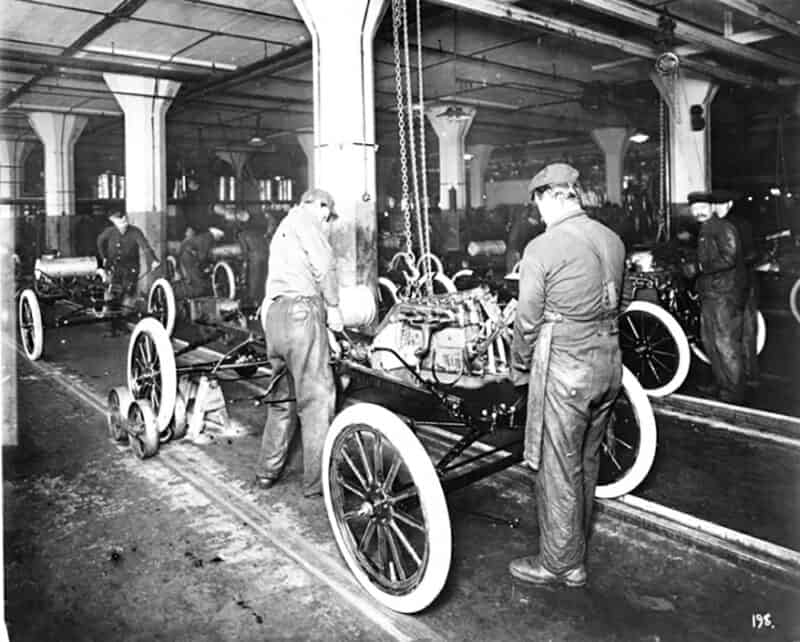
794, 300
223, 281
654, 348
629, 447
31, 328
142, 430
161, 304
386, 507
119, 403
151, 369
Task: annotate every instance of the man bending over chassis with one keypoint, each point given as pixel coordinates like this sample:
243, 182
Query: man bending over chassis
195, 258
566, 349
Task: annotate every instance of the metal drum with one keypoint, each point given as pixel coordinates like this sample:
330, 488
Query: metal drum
227, 251
486, 248
67, 267
358, 307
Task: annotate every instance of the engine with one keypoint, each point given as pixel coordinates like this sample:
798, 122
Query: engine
455, 334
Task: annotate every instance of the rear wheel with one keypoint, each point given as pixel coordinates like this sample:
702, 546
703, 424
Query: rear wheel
161, 304
151, 369
654, 348
629, 448
386, 507
31, 328
223, 281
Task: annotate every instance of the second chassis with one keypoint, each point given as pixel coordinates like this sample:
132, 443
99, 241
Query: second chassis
434, 364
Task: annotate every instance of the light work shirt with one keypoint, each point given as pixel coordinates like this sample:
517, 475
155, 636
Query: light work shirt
301, 261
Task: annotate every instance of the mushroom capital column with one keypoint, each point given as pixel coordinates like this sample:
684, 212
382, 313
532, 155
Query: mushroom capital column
690, 136
59, 133
614, 142
451, 132
344, 127
145, 100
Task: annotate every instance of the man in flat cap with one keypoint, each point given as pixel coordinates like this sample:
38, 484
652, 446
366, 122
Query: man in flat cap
721, 284
118, 247
566, 349
302, 296
195, 258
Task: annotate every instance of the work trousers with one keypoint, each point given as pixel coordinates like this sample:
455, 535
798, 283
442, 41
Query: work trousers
581, 389
121, 291
195, 283
750, 334
256, 277
297, 347
721, 321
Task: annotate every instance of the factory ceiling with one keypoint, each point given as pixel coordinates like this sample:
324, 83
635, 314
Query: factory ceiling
537, 71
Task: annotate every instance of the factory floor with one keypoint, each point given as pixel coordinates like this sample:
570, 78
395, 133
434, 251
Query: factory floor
100, 545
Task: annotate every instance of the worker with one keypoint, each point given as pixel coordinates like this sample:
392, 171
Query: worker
302, 295
195, 259
721, 284
527, 225
565, 349
118, 248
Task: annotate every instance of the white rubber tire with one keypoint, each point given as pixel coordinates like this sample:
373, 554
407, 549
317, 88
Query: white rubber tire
431, 499
678, 336
171, 268
163, 285
794, 300
33, 345
119, 401
223, 280
643, 412
761, 339
387, 288
163, 404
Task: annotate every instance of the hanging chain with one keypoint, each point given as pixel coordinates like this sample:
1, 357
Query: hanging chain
405, 201
426, 235
662, 212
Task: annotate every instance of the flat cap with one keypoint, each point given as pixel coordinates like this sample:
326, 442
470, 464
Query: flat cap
554, 174
117, 215
699, 197
714, 196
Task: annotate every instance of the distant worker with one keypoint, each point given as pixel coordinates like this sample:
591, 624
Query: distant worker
195, 259
566, 350
303, 298
118, 247
526, 226
721, 284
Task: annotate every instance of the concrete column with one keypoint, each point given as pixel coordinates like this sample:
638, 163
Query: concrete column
237, 160
614, 142
451, 133
690, 160
344, 127
58, 133
477, 172
13, 153
306, 142
145, 101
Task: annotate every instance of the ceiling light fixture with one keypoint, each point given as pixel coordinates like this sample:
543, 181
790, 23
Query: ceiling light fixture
454, 112
639, 137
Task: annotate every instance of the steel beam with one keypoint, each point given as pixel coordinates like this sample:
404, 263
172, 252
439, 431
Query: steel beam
765, 14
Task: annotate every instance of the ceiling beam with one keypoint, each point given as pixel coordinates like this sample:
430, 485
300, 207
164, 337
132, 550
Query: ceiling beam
765, 14
515, 15
648, 18
123, 10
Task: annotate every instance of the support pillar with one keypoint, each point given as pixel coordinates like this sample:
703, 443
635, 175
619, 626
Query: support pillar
690, 160
344, 127
238, 161
58, 133
13, 153
145, 101
614, 142
477, 172
306, 142
451, 133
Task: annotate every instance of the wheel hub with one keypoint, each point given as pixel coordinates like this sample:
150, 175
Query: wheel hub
376, 505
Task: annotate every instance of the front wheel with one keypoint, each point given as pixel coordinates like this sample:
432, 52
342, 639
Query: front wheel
31, 328
794, 300
386, 507
223, 281
629, 447
151, 370
654, 348
161, 304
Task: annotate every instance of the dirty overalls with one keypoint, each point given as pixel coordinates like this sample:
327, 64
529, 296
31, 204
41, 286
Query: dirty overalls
566, 349
255, 250
722, 287
120, 255
301, 281
193, 257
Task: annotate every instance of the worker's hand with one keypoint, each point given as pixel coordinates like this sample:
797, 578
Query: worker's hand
155, 264
335, 321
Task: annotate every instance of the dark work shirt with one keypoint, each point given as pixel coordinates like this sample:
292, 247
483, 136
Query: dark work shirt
561, 273
124, 248
199, 246
720, 260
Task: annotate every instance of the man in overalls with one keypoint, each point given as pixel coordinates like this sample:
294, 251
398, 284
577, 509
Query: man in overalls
303, 298
566, 350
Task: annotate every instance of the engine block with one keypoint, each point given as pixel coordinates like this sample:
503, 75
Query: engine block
460, 333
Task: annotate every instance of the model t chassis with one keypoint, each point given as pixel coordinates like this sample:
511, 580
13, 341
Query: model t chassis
384, 491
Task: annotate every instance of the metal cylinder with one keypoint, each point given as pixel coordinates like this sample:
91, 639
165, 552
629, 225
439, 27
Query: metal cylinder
70, 266
227, 251
357, 305
486, 248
